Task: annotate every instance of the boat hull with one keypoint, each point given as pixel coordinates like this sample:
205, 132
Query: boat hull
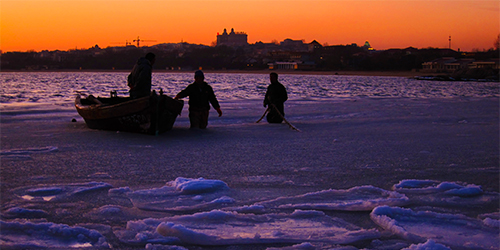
148, 115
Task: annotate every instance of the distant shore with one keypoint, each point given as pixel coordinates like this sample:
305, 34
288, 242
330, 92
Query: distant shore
266, 71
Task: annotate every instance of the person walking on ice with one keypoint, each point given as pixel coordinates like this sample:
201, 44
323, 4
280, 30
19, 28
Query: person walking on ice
201, 95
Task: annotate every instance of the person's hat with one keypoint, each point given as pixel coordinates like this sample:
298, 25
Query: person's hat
198, 73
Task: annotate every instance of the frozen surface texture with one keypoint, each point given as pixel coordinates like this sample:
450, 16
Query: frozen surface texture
381, 163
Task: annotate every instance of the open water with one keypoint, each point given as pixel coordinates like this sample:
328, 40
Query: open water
60, 88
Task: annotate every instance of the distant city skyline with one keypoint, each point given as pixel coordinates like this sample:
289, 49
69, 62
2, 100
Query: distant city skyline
68, 24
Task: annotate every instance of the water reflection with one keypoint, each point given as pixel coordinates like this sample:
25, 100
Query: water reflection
61, 87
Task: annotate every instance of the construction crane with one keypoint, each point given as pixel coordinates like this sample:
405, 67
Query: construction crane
138, 40
127, 43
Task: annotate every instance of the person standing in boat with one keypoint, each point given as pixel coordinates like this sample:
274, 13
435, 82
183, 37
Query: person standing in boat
201, 95
139, 80
275, 95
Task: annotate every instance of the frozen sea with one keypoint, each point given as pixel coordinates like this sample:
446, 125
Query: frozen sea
219, 193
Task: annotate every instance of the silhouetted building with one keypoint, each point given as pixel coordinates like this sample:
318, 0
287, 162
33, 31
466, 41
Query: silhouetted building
450, 64
294, 65
314, 45
291, 60
233, 39
295, 45
367, 46
491, 63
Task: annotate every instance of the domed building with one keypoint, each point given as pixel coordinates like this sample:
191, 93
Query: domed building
233, 39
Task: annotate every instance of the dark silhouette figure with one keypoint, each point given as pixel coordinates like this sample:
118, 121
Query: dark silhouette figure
275, 96
201, 95
139, 80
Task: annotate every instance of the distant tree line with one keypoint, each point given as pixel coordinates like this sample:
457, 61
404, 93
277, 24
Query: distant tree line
257, 56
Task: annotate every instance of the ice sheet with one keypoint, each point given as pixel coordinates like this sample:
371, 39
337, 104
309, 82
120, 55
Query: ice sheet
209, 214
60, 192
228, 228
363, 198
453, 230
182, 194
445, 194
29, 235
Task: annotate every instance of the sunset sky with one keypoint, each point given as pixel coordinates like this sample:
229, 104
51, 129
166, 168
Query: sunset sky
69, 24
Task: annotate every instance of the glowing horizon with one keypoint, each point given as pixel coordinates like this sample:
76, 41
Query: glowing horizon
68, 24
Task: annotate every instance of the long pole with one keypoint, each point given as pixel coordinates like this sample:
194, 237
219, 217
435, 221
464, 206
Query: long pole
262, 117
282, 117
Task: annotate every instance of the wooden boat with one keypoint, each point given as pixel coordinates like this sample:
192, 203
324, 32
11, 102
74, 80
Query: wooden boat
152, 114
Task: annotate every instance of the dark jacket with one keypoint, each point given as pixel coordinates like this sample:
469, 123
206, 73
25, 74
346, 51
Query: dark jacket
139, 79
275, 94
199, 98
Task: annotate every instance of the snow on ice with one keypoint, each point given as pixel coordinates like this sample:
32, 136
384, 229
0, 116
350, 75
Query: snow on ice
28, 235
363, 198
203, 212
454, 230
26, 153
227, 228
60, 192
444, 194
183, 194
428, 245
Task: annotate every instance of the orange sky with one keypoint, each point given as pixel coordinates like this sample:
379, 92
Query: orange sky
68, 24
